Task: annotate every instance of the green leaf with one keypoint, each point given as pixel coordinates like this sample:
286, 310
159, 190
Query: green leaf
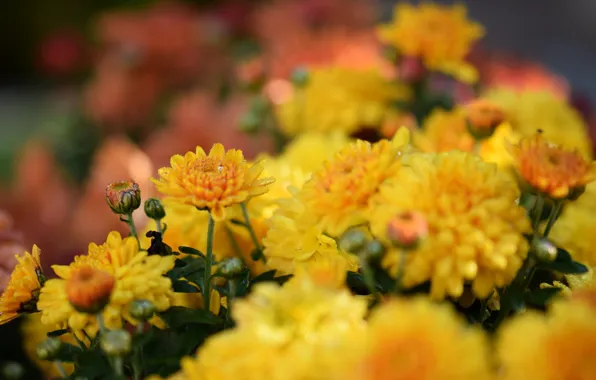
68, 353
243, 283
143, 339
177, 316
564, 264
541, 297
181, 286
191, 251
92, 364
57, 333
264, 277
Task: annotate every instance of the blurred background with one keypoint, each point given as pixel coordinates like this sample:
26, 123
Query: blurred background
97, 91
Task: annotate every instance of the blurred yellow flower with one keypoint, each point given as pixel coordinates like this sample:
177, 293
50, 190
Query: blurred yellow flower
551, 169
291, 241
339, 99
330, 271
559, 345
337, 196
23, 287
213, 182
443, 131
416, 339
34, 332
475, 226
136, 275
300, 312
529, 111
308, 150
440, 35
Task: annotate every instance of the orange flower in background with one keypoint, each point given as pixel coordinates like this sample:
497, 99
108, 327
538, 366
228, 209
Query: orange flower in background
214, 181
407, 228
483, 117
88, 289
551, 169
441, 36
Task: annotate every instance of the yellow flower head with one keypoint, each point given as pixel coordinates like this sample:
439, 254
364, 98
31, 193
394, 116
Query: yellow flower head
136, 276
416, 339
339, 99
475, 227
337, 196
330, 271
300, 312
310, 149
34, 332
23, 287
291, 241
441, 36
560, 345
529, 111
213, 182
443, 131
551, 169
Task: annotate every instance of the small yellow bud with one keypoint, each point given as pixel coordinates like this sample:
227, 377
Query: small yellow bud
352, 241
141, 310
231, 267
116, 342
544, 250
154, 209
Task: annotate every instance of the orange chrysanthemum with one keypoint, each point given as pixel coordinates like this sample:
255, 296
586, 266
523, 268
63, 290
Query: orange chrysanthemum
213, 181
337, 196
483, 117
551, 169
89, 289
23, 288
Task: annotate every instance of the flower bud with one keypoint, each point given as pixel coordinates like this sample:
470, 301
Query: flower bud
544, 250
123, 197
231, 267
374, 250
352, 241
483, 117
48, 349
89, 289
406, 229
154, 209
141, 310
300, 76
116, 342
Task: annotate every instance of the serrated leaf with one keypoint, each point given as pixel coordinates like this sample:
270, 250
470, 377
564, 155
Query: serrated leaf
57, 333
177, 316
541, 297
191, 251
181, 286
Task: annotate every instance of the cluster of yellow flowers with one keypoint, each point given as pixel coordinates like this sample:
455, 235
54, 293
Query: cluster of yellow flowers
443, 206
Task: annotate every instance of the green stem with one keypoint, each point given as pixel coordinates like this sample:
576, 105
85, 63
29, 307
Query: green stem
554, 214
60, 369
233, 241
251, 231
369, 280
80, 342
133, 229
158, 226
539, 206
208, 263
400, 271
102, 326
231, 295
118, 365
137, 365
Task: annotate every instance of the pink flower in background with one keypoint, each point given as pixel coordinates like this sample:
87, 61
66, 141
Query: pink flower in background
62, 53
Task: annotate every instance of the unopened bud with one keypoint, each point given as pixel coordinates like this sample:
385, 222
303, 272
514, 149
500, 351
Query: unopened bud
116, 342
300, 77
374, 250
89, 289
141, 310
483, 117
406, 229
544, 250
49, 349
352, 241
123, 197
231, 267
154, 209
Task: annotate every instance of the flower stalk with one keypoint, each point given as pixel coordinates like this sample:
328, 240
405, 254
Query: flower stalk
208, 263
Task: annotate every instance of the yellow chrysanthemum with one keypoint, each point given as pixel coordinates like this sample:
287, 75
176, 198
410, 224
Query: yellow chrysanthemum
475, 226
34, 332
529, 111
551, 169
337, 196
330, 271
416, 339
299, 312
136, 276
310, 149
291, 241
560, 345
213, 182
23, 287
339, 99
441, 36
496, 148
